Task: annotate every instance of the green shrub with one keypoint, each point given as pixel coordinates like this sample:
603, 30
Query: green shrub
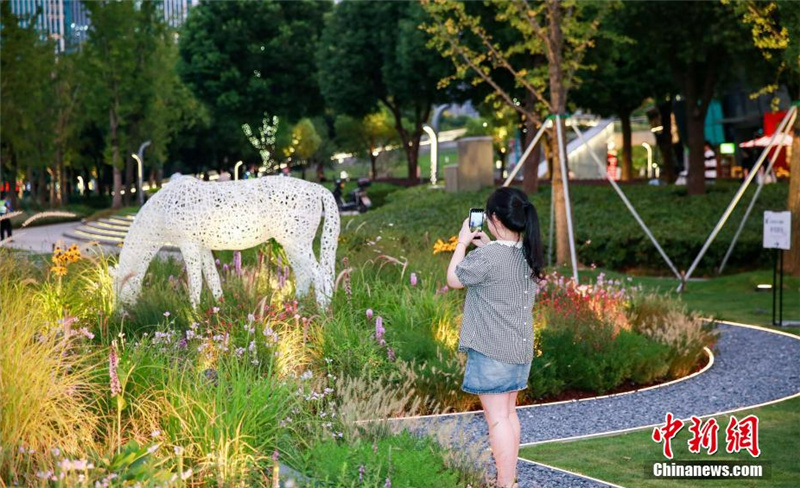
404, 459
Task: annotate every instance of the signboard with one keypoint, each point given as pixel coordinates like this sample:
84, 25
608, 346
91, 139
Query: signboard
727, 148
777, 230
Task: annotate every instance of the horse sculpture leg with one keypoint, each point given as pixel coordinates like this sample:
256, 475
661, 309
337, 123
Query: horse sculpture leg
211, 274
305, 266
193, 257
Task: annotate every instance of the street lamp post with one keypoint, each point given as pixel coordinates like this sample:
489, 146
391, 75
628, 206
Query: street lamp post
649, 159
236, 170
434, 152
139, 157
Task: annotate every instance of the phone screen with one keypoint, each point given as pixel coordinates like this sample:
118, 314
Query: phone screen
475, 219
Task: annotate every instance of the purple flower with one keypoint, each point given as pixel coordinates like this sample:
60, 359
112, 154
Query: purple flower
379, 330
390, 353
388, 483
275, 455
182, 343
237, 262
361, 471
413, 279
216, 261
225, 267
369, 313
113, 362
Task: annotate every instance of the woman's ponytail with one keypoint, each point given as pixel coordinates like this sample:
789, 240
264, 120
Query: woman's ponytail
532, 242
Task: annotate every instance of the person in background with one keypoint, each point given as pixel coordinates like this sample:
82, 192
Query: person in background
5, 224
710, 162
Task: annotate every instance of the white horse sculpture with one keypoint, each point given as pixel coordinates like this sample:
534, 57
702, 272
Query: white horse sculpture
199, 217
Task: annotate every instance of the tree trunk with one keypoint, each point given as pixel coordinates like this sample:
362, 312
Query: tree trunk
791, 260
131, 180
668, 173
558, 103
116, 201
530, 172
373, 163
627, 149
695, 180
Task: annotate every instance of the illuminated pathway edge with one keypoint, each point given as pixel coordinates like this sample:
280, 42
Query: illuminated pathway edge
752, 366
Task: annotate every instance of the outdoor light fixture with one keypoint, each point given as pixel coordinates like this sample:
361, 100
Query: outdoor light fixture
649, 158
139, 165
434, 152
763, 287
236, 170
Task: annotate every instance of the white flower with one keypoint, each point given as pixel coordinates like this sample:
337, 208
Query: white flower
155, 433
153, 448
166, 314
178, 450
186, 474
251, 317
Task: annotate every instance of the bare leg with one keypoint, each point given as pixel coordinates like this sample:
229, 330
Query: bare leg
501, 436
512, 415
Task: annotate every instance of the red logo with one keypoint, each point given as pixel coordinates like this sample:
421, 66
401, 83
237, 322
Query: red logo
740, 434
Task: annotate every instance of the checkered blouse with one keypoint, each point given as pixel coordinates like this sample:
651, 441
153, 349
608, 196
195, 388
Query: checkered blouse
497, 320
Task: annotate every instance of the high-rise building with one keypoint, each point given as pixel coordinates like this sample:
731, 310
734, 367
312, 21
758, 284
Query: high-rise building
67, 21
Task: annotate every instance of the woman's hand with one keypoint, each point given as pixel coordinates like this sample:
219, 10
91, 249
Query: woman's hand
482, 240
466, 235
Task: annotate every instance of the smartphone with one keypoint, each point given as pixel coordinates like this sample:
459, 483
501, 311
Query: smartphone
475, 219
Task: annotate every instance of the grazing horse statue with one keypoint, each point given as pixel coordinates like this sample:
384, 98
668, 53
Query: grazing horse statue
199, 217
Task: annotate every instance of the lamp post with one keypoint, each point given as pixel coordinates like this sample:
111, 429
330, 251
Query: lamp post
434, 152
649, 159
236, 170
139, 157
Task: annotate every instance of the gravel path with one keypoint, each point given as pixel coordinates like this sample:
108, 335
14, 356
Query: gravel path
751, 366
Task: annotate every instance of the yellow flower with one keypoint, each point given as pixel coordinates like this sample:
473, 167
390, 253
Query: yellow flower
59, 270
441, 246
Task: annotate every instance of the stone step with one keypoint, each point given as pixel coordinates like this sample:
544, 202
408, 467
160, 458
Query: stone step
105, 229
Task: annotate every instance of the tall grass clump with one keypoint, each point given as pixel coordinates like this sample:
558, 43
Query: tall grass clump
46, 387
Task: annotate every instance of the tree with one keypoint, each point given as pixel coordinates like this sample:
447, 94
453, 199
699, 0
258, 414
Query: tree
371, 54
242, 58
559, 32
701, 55
617, 79
26, 65
365, 137
775, 31
305, 143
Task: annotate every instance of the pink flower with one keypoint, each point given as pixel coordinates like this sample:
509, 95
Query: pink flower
113, 362
379, 330
390, 353
237, 262
369, 313
413, 279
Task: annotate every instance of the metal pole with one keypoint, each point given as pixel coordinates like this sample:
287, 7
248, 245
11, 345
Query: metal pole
648, 172
750, 208
236, 170
524, 156
434, 152
562, 155
139, 158
627, 203
738, 196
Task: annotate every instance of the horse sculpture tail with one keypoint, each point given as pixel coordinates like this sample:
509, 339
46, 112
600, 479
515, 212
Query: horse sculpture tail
329, 240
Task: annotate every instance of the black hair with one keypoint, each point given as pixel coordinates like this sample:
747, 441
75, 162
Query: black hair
512, 207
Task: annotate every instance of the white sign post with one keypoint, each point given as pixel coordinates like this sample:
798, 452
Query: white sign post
778, 236
777, 230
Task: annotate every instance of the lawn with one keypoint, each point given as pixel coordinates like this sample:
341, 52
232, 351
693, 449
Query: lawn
621, 458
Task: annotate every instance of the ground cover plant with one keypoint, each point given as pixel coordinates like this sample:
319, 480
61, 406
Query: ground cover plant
168, 393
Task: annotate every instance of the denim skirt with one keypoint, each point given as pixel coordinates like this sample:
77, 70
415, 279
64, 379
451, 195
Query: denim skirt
484, 375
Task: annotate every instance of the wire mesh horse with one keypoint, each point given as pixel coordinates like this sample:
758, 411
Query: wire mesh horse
199, 217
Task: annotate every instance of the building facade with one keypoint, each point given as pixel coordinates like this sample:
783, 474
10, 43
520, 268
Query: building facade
67, 21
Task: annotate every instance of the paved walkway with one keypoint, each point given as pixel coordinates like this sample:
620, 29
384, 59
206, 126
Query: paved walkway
41, 239
751, 366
